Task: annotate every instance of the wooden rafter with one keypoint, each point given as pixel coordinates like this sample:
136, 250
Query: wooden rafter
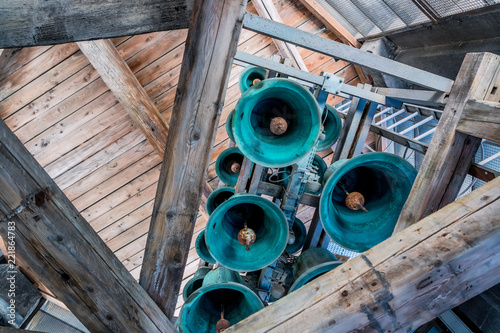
451, 153
62, 249
210, 49
266, 9
481, 117
32, 22
117, 75
402, 283
334, 26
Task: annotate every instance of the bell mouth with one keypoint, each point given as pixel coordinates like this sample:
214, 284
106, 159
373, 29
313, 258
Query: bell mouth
384, 180
218, 197
225, 164
203, 308
276, 123
262, 216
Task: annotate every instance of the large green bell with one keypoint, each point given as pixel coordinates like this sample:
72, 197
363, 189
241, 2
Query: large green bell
312, 264
332, 125
202, 250
229, 126
363, 197
246, 233
221, 295
217, 197
228, 165
299, 234
276, 122
250, 76
195, 283
285, 173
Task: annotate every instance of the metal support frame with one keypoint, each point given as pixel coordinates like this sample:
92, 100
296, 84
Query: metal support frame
344, 52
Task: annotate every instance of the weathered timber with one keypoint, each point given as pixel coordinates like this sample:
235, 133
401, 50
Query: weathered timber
334, 26
5, 56
63, 250
451, 153
481, 119
103, 55
32, 22
405, 281
266, 9
210, 48
117, 75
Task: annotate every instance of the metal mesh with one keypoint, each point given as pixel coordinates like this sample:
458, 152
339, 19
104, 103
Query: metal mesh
355, 16
380, 14
336, 15
407, 11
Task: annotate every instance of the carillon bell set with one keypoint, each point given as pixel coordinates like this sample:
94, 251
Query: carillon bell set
250, 242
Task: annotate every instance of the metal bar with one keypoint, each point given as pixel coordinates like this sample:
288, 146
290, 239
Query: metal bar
315, 79
429, 132
382, 112
420, 97
346, 53
390, 117
420, 123
405, 119
489, 159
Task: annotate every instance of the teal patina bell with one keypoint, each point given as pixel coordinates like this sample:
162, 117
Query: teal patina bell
332, 125
276, 122
285, 173
195, 283
312, 264
217, 197
202, 250
299, 235
221, 301
249, 76
229, 128
246, 233
228, 165
363, 197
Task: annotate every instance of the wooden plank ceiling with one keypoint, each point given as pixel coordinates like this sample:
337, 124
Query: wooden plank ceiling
58, 106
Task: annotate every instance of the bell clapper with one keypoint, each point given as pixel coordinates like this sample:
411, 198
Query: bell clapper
278, 126
235, 167
255, 81
222, 324
354, 200
246, 236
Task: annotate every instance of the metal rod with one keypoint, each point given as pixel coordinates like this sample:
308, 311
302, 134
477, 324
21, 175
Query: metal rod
426, 134
405, 119
420, 123
390, 117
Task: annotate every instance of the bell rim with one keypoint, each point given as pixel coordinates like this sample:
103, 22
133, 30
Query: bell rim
235, 200
324, 145
214, 193
346, 166
306, 146
299, 282
226, 180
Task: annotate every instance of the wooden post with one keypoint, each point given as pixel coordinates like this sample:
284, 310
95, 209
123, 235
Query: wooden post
402, 283
266, 9
122, 82
210, 48
31, 22
45, 231
451, 153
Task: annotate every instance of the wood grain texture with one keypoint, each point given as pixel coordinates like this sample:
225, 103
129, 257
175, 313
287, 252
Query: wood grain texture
481, 119
402, 283
67, 255
450, 153
267, 9
210, 48
103, 55
32, 22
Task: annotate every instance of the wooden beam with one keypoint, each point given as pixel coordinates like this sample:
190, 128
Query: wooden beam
54, 240
451, 153
115, 72
334, 26
5, 56
266, 9
210, 48
33, 22
402, 283
481, 119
